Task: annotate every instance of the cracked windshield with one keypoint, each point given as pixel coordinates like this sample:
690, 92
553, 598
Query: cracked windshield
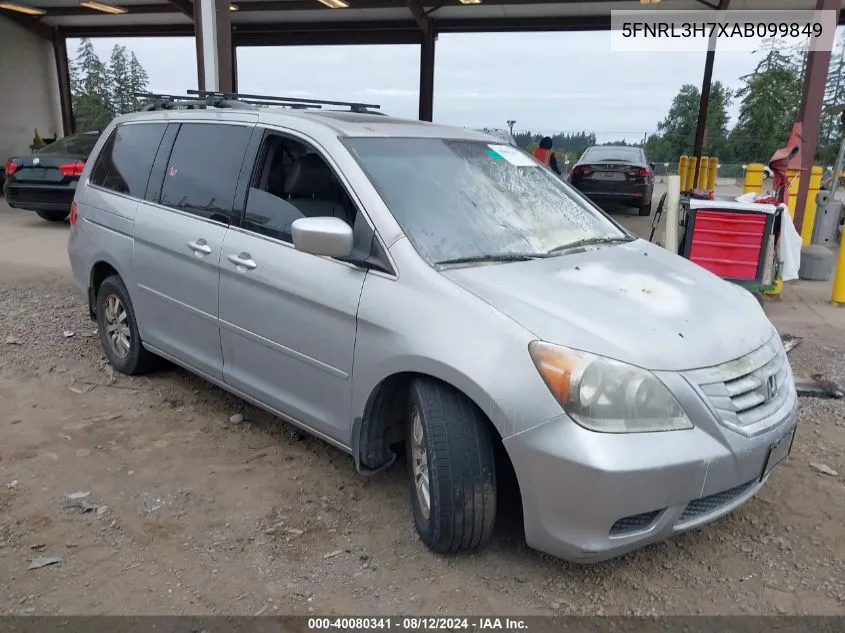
459, 199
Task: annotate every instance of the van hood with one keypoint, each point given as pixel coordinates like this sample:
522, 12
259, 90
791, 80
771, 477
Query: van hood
634, 302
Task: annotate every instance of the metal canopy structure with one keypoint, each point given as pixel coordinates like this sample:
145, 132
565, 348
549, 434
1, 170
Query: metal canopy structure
220, 26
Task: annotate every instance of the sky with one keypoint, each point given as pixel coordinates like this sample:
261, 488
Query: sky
547, 82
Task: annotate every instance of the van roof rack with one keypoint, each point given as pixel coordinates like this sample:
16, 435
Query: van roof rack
201, 99
174, 102
283, 101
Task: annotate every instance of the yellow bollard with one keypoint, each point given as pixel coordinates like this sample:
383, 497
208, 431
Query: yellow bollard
703, 167
712, 173
690, 173
810, 208
838, 295
683, 168
753, 178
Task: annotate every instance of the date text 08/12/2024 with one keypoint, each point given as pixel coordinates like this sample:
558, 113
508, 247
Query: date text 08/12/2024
686, 30
417, 623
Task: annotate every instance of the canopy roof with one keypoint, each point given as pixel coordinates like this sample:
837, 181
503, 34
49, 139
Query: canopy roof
258, 22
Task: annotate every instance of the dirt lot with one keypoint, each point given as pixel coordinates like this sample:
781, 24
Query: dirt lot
188, 513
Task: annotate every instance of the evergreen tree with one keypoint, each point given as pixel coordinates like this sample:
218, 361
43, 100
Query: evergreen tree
769, 101
91, 104
830, 132
120, 81
677, 129
138, 78
716, 129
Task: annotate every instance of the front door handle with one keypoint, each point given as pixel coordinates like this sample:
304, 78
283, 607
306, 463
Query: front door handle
200, 247
243, 260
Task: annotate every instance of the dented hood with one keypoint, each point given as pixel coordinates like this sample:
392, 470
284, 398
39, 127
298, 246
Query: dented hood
634, 302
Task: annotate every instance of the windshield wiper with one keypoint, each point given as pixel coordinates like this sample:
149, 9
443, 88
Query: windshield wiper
589, 242
500, 257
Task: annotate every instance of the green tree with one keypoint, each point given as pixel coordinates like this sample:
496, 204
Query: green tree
90, 89
717, 130
677, 129
138, 78
769, 100
120, 81
830, 132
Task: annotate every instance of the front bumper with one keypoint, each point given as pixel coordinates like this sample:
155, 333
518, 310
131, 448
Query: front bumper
589, 496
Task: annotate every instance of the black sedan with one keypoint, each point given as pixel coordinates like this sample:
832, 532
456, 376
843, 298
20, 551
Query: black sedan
615, 173
46, 180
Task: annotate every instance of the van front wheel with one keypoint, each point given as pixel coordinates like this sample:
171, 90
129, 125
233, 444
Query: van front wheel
451, 468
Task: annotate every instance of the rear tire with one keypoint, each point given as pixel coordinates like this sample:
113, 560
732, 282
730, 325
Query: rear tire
645, 209
451, 468
53, 216
118, 329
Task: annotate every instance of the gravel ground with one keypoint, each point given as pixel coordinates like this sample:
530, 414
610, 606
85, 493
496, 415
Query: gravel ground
189, 513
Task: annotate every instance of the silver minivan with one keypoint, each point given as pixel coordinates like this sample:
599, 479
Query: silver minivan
402, 288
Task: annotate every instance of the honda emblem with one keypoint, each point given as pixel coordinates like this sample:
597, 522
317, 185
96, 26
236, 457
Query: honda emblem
771, 387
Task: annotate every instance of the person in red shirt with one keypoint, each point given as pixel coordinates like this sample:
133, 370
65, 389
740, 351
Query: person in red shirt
545, 155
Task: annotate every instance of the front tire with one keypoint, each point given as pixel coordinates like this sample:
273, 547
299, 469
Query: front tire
451, 468
118, 329
53, 216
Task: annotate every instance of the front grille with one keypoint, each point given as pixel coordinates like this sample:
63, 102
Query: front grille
631, 524
748, 393
714, 502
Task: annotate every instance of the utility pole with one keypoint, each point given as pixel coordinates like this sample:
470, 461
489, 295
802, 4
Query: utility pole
511, 123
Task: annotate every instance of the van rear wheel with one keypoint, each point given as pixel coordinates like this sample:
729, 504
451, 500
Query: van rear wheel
451, 468
118, 329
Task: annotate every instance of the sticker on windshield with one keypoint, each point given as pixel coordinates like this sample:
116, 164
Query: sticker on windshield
511, 154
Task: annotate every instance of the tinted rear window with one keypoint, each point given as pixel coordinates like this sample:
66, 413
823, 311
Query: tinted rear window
74, 145
612, 152
203, 169
125, 162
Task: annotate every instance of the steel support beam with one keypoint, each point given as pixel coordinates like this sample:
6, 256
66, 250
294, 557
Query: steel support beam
30, 23
234, 67
427, 75
225, 67
186, 7
198, 42
704, 100
63, 76
213, 34
810, 113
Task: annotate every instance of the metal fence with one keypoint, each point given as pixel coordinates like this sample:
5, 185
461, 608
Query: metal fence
728, 173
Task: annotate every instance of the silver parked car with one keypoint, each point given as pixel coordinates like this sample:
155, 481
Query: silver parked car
397, 286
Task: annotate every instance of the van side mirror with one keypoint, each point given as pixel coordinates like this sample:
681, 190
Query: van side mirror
329, 237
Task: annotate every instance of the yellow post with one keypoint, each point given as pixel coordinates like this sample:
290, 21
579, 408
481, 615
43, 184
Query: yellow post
810, 208
754, 178
838, 295
793, 176
683, 167
690, 173
712, 173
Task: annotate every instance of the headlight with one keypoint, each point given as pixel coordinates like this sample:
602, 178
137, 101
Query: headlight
606, 395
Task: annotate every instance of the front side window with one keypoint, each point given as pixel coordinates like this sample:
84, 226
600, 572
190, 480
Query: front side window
457, 199
202, 173
291, 181
127, 157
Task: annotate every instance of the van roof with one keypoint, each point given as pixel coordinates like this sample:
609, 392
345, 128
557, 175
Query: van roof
342, 122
